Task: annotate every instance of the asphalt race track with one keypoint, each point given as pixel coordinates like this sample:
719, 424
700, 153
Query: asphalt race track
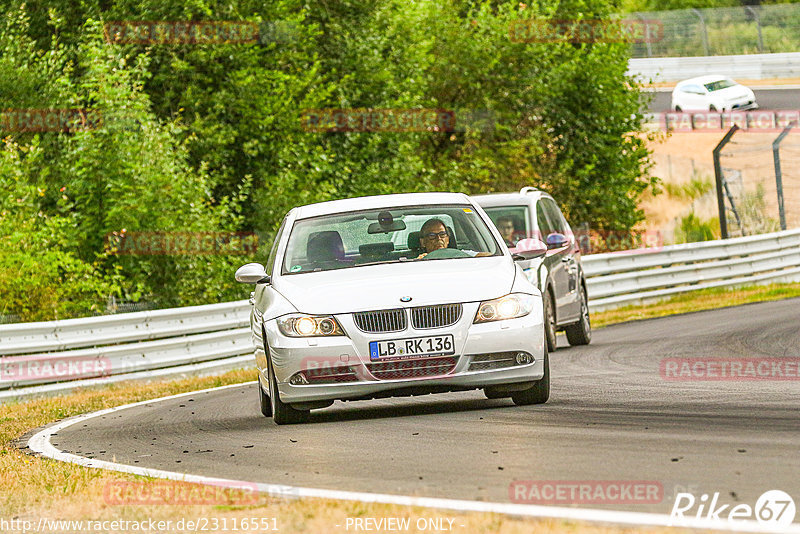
611, 416
766, 98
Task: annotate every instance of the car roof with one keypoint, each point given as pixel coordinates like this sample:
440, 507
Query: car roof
525, 195
377, 202
707, 78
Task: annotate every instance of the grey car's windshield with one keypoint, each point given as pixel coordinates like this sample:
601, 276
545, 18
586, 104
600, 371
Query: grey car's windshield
387, 235
722, 84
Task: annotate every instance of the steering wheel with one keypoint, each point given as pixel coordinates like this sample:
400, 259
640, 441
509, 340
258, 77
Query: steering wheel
442, 253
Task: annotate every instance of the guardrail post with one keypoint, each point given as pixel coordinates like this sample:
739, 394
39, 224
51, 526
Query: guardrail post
723, 223
776, 158
703, 27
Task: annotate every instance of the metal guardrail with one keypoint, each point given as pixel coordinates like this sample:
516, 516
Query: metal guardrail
629, 277
56, 356
742, 67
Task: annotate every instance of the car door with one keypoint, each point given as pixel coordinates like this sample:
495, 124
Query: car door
695, 96
564, 263
556, 268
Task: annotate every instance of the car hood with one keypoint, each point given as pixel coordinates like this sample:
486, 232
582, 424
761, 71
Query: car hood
377, 287
732, 93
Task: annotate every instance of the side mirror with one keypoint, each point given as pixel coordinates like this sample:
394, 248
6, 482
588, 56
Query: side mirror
252, 273
556, 240
528, 249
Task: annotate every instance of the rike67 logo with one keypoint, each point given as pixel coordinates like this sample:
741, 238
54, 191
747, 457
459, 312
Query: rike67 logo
773, 509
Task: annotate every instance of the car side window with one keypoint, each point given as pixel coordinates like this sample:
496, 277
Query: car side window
556, 218
274, 250
694, 90
545, 228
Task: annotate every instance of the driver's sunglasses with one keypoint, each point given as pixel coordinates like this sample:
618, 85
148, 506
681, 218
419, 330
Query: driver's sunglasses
434, 235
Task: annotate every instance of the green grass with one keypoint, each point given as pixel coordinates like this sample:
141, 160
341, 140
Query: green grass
704, 299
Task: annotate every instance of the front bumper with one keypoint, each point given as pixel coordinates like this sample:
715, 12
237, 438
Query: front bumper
746, 105
472, 342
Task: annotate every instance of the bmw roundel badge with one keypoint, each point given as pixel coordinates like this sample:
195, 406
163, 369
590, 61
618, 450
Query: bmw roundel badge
405, 299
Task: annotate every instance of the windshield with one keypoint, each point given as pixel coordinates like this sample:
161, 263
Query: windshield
512, 222
722, 84
385, 236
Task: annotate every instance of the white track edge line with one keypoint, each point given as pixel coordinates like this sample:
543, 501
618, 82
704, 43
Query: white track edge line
40, 443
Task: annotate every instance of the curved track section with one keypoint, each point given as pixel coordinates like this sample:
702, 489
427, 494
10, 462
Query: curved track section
612, 416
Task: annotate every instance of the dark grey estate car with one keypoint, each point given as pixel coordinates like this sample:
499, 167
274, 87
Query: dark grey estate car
533, 214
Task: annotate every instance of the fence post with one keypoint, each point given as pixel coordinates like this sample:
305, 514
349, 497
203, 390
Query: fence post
758, 27
723, 223
703, 26
647, 44
776, 159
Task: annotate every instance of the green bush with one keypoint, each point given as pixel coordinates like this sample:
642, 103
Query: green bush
208, 138
692, 229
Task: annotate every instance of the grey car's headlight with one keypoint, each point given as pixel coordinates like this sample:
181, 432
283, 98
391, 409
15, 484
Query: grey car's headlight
302, 325
508, 307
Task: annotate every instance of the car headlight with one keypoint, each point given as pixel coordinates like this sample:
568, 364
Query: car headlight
301, 325
508, 307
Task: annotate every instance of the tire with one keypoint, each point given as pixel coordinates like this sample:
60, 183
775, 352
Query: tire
492, 394
712, 108
539, 392
549, 321
678, 108
282, 414
580, 333
266, 406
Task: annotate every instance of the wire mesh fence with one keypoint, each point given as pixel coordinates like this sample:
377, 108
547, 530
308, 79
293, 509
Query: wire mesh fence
754, 194
722, 31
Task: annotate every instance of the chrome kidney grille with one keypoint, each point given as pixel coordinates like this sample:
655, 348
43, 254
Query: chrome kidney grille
377, 322
438, 316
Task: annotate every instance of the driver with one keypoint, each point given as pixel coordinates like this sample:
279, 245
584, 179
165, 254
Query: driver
506, 226
433, 236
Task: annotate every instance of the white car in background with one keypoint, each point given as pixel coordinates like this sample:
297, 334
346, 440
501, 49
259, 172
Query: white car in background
712, 93
355, 303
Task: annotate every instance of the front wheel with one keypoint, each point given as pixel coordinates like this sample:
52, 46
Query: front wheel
549, 321
282, 414
263, 398
539, 392
580, 333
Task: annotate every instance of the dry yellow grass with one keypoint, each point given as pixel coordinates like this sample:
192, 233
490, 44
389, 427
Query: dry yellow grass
32, 488
748, 83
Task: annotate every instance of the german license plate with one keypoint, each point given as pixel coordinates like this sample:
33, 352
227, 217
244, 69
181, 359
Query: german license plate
411, 348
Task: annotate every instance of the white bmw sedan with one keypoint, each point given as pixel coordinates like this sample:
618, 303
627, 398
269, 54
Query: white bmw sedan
393, 295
